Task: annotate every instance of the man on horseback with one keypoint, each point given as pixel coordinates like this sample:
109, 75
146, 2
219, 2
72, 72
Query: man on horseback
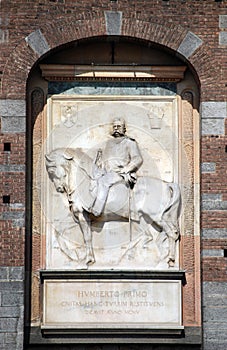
118, 162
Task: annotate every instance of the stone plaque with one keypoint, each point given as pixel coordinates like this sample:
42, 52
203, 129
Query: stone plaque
123, 304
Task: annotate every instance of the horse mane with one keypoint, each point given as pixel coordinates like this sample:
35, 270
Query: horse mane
80, 158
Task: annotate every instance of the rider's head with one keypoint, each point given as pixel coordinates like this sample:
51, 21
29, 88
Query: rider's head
119, 127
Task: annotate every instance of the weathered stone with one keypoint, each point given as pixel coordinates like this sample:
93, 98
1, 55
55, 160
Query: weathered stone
10, 215
215, 289
13, 124
215, 314
2, 338
6, 311
12, 286
12, 108
216, 299
223, 38
37, 42
12, 168
213, 252
211, 197
8, 324
18, 223
4, 273
214, 233
16, 273
222, 21
20, 341
213, 110
10, 338
17, 205
214, 345
213, 126
208, 167
113, 22
213, 202
213, 114
12, 299
189, 45
9, 347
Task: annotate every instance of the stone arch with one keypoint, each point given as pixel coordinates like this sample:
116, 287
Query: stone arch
58, 34
93, 24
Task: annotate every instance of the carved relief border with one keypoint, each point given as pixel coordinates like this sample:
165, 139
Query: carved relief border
190, 236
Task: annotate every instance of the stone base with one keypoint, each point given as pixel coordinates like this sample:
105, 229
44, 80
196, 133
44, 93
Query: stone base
113, 303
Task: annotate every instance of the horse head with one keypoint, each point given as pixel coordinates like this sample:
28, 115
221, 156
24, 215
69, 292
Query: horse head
57, 165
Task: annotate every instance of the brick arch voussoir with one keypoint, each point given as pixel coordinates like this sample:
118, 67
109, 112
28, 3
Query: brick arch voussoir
171, 36
58, 33
160, 33
207, 69
72, 29
87, 25
16, 70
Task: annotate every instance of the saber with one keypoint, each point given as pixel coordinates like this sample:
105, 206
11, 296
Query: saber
129, 215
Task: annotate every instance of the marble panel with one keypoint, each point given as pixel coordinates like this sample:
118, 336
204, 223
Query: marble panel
133, 231
122, 304
113, 88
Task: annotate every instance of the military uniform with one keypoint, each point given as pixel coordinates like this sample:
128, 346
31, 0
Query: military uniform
121, 159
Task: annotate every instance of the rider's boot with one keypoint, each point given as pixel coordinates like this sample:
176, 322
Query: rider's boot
99, 203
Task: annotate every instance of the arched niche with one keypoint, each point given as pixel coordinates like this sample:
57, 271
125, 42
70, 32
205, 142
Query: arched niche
104, 71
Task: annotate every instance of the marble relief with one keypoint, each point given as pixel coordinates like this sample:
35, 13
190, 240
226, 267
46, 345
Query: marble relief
109, 192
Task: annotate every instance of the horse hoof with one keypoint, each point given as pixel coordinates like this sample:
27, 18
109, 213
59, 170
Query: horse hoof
171, 263
90, 261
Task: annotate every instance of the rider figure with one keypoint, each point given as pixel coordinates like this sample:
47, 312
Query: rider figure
118, 162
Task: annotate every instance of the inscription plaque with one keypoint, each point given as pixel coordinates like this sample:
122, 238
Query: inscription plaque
109, 304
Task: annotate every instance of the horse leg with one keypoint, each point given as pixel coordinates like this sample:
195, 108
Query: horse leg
172, 252
85, 226
148, 237
172, 235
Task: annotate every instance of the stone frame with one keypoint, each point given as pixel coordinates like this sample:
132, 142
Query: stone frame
190, 239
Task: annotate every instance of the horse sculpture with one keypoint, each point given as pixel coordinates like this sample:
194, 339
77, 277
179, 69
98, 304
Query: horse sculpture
154, 203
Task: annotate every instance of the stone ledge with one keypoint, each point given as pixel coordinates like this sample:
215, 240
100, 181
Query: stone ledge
190, 335
73, 274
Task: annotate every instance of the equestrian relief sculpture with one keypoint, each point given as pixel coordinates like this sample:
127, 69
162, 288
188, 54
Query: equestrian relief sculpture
108, 188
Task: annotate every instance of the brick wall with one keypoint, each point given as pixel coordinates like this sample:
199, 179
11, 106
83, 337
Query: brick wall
197, 30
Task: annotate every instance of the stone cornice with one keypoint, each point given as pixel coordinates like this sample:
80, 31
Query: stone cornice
58, 72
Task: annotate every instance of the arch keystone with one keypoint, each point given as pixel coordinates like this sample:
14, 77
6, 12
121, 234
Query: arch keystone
113, 22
